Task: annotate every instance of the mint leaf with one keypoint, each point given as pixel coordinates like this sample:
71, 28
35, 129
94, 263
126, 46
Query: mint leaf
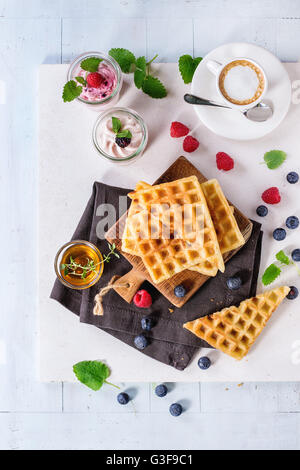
139, 77
116, 124
81, 80
125, 133
270, 274
187, 66
274, 158
140, 72
71, 91
282, 257
141, 63
91, 64
153, 87
124, 57
93, 374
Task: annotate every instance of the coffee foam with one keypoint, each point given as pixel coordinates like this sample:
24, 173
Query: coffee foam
241, 82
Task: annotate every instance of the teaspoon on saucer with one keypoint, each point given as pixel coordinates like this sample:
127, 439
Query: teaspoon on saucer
259, 113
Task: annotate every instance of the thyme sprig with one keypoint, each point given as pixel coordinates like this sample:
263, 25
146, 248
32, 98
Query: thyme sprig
72, 267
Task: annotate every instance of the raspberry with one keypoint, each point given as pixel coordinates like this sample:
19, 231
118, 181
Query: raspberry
142, 299
271, 196
94, 80
178, 129
224, 161
190, 144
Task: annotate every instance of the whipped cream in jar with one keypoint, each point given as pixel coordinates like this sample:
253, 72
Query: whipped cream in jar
120, 135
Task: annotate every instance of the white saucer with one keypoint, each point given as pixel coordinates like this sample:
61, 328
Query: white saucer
230, 123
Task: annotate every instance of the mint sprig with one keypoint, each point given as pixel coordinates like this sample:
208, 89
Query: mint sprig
153, 87
117, 128
91, 64
283, 258
124, 57
71, 91
274, 158
81, 80
93, 374
187, 66
143, 79
273, 271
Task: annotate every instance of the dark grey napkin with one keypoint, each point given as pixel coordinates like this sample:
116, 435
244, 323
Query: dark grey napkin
169, 342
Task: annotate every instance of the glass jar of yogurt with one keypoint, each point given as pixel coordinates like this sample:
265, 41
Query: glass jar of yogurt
120, 135
103, 89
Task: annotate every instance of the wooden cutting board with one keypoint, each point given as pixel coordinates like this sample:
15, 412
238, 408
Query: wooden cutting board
191, 280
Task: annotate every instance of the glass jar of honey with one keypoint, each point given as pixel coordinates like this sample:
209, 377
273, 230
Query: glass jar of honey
79, 264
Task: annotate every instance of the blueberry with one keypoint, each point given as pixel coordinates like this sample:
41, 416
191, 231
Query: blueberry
147, 323
234, 283
123, 398
292, 222
293, 293
175, 409
262, 211
296, 254
292, 177
279, 234
179, 291
161, 390
141, 341
123, 141
204, 363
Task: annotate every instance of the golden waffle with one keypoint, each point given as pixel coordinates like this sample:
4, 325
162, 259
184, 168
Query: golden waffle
129, 244
233, 330
186, 191
162, 257
227, 230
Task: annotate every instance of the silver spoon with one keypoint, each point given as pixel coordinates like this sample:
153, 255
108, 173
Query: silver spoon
259, 113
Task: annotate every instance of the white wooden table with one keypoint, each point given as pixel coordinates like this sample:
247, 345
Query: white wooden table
35, 415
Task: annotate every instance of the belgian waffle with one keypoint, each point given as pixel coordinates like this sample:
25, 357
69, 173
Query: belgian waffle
227, 230
129, 244
233, 330
162, 257
186, 191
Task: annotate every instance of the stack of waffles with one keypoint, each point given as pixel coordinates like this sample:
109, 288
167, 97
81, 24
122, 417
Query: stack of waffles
180, 225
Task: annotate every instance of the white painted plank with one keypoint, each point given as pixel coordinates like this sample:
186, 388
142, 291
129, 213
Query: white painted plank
210, 32
78, 398
150, 431
150, 8
23, 45
288, 33
248, 397
180, 8
169, 39
187, 394
81, 35
289, 397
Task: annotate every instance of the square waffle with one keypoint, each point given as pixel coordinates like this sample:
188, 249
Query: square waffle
227, 230
226, 227
162, 257
233, 330
181, 192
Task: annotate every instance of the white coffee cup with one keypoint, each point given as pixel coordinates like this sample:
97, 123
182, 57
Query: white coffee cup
217, 68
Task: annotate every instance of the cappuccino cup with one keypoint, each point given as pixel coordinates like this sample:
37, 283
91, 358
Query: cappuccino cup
240, 82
